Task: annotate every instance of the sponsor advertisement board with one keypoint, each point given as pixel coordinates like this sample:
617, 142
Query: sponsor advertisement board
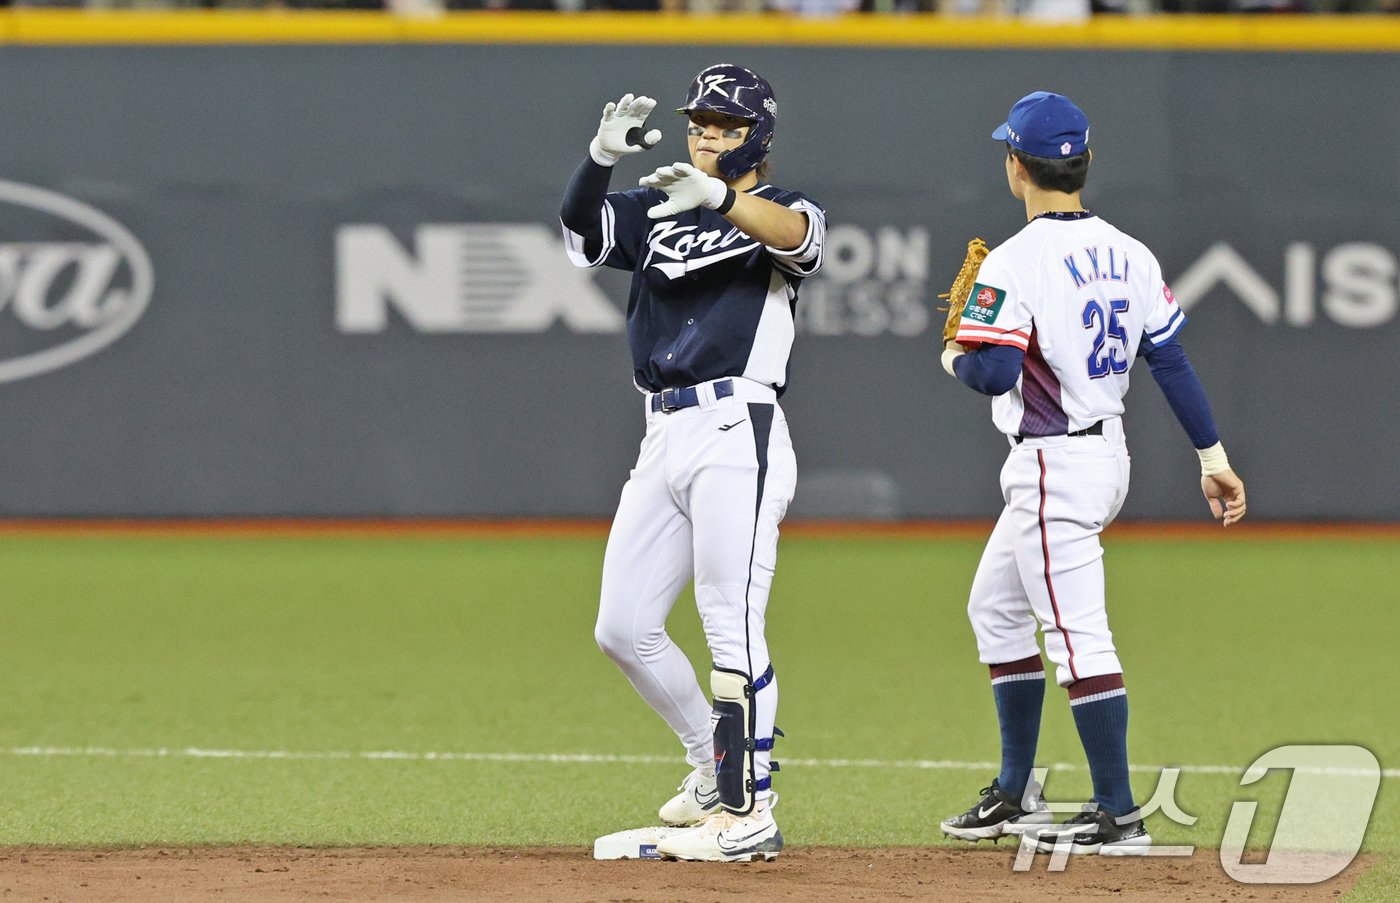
330, 281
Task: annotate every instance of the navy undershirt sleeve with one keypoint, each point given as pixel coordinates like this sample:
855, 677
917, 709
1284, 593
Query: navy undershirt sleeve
1184, 391
582, 210
991, 369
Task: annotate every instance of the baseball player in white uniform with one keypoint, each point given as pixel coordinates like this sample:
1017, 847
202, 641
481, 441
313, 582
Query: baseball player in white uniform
717, 255
1059, 313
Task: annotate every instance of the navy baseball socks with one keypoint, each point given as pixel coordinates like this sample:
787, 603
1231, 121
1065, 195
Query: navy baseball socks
1110, 825
1100, 707
1019, 689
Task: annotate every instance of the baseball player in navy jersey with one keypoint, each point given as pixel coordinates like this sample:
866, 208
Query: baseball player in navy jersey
716, 255
1059, 313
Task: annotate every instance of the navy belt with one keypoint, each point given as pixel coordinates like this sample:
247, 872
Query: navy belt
668, 400
1095, 430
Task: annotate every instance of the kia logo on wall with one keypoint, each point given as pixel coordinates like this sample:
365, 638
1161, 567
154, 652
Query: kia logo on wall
72, 280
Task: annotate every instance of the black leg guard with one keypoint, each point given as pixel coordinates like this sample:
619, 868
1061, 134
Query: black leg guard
734, 739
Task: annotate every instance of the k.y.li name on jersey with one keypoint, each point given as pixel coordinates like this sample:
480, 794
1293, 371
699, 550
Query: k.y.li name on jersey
1114, 266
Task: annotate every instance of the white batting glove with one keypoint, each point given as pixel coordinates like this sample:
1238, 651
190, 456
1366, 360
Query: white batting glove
687, 188
621, 131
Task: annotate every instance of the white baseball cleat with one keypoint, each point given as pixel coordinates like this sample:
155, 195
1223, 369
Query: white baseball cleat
698, 798
726, 837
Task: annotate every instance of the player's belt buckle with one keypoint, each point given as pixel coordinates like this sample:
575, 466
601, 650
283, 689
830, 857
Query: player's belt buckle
670, 400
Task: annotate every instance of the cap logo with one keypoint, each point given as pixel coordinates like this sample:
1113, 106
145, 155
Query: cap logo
1011, 133
713, 82
1066, 148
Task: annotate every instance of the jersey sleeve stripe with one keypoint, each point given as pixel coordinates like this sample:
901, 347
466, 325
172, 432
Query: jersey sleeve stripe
996, 329
1009, 338
574, 244
812, 242
806, 258
1173, 326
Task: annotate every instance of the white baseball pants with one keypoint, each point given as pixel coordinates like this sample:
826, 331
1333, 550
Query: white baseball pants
1043, 565
711, 485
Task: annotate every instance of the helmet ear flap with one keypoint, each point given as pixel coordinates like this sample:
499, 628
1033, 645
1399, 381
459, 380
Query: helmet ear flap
746, 157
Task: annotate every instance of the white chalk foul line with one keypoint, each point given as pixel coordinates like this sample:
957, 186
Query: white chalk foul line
192, 752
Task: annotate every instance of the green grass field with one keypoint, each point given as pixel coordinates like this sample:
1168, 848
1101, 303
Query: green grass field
285, 661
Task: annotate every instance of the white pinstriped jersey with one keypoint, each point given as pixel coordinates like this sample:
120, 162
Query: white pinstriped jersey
1079, 297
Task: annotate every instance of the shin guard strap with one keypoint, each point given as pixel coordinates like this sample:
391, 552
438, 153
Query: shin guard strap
764, 679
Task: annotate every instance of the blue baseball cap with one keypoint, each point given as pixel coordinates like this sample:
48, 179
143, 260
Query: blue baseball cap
1045, 125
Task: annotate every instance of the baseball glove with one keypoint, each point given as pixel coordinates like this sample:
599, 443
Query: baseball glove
962, 287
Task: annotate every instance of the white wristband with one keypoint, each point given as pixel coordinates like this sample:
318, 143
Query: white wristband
718, 191
600, 156
1213, 460
950, 355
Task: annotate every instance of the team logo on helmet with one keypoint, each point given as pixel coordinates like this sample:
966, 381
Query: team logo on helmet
714, 83
771, 106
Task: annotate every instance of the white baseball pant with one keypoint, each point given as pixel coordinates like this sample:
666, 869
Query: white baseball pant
1043, 565
711, 484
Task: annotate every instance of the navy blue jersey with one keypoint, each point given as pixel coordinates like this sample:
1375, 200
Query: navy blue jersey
707, 301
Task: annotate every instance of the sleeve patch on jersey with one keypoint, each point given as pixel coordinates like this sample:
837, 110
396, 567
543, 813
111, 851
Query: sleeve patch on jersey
983, 303
1167, 293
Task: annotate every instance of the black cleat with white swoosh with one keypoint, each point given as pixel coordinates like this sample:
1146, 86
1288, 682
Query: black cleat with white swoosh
997, 813
1096, 831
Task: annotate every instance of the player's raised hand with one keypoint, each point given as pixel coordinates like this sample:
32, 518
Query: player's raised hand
1225, 493
686, 188
622, 130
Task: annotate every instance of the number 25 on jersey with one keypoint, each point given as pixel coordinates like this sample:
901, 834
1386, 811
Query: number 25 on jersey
1110, 354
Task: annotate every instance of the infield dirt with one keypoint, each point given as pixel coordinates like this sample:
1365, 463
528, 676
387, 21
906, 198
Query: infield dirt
570, 875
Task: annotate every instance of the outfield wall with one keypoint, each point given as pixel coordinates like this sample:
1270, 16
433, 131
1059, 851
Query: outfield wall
316, 272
